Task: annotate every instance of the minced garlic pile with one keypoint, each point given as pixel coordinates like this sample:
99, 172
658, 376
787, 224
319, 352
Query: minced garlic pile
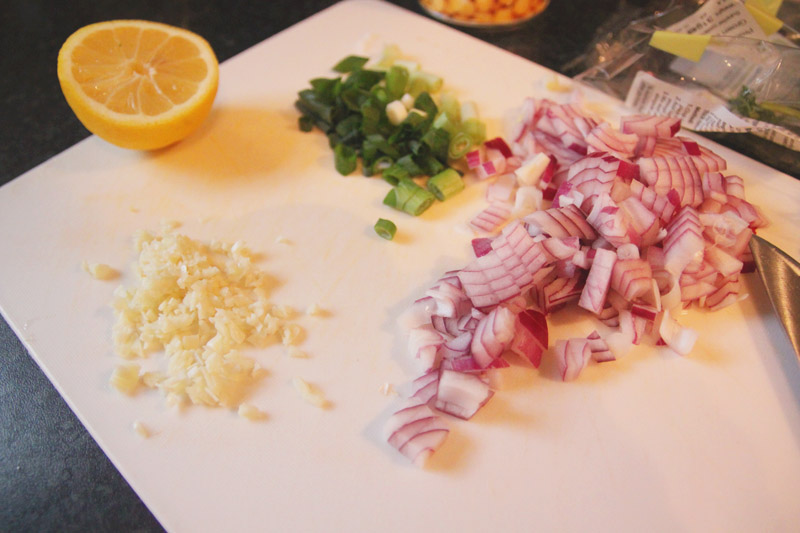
200, 304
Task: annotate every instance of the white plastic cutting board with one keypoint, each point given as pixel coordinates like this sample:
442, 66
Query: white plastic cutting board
654, 442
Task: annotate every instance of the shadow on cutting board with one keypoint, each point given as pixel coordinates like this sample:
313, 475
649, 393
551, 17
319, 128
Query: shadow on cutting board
234, 144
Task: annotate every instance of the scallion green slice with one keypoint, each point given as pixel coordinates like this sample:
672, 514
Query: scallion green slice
460, 144
446, 184
475, 129
385, 228
350, 63
411, 198
421, 82
451, 107
396, 81
345, 159
394, 174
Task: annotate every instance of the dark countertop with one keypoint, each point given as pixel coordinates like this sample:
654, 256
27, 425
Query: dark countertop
53, 476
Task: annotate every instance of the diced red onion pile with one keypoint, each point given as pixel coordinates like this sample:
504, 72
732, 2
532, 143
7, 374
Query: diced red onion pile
630, 224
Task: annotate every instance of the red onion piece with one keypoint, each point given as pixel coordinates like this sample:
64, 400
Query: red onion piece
572, 356
461, 394
646, 146
643, 221
501, 189
644, 311
491, 218
506, 270
747, 211
464, 363
713, 184
598, 281
684, 241
530, 336
416, 432
456, 347
611, 222
498, 143
599, 349
560, 222
604, 138
449, 298
628, 251
734, 186
423, 346
527, 200
533, 169
492, 336
725, 229
417, 314
659, 205
558, 292
609, 316
677, 337
561, 248
726, 294
724, 263
423, 389
492, 167
631, 278
481, 246
552, 146
679, 173
474, 159
650, 125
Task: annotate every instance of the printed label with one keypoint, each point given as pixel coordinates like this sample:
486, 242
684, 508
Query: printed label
699, 110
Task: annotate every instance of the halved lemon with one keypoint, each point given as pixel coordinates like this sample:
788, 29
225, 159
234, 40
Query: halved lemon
138, 84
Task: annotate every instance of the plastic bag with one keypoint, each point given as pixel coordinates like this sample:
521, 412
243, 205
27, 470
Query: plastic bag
746, 80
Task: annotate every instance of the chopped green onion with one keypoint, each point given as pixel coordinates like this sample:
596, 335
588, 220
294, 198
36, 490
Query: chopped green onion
446, 184
408, 164
449, 104
415, 118
419, 202
326, 89
443, 122
438, 140
408, 64
421, 82
349, 128
345, 159
396, 81
431, 165
306, 123
385, 228
460, 144
475, 129
468, 111
380, 164
409, 197
391, 198
394, 174
311, 104
352, 111
425, 103
381, 96
390, 54
350, 64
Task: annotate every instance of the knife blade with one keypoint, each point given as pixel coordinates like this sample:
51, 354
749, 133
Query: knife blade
781, 276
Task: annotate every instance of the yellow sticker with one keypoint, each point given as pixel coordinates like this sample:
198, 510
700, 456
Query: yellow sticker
690, 47
770, 6
769, 23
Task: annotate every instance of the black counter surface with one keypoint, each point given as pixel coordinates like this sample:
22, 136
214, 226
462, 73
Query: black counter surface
53, 476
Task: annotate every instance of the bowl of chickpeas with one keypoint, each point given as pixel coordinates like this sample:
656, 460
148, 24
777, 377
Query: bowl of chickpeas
484, 13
